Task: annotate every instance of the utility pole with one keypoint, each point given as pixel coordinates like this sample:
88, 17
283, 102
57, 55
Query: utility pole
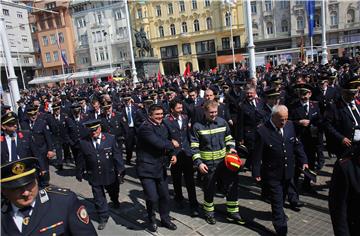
324, 53
133, 68
251, 46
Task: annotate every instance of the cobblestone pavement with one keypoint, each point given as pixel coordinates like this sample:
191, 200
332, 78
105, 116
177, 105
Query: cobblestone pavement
130, 218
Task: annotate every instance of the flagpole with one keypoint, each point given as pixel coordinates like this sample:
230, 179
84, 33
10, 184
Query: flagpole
133, 68
311, 48
231, 37
324, 53
251, 46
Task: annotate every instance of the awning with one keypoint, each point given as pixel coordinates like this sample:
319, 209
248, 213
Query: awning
50, 79
75, 76
228, 59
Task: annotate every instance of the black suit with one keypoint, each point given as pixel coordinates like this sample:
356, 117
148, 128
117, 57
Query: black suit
23, 146
76, 131
274, 160
129, 129
59, 134
152, 152
62, 207
184, 163
102, 166
339, 123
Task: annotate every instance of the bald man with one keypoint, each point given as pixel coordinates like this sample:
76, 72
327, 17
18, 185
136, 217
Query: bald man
274, 162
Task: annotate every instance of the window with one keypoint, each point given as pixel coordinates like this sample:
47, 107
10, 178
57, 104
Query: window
209, 23
227, 19
205, 47
169, 52
45, 40
84, 60
207, 3
47, 57
182, 6
98, 36
6, 12
161, 31
236, 41
96, 54
253, 7
94, 37
121, 31
99, 18
50, 5
139, 13
117, 13
194, 4
283, 4
170, 8
300, 23
186, 47
284, 26
158, 10
50, 24
196, 25
8, 27
81, 22
19, 15
56, 55
333, 18
255, 26
33, 28
61, 37
225, 43
22, 26
24, 40
172, 29
83, 39
317, 21
184, 27
268, 5
350, 16
269, 28
26, 60
52, 39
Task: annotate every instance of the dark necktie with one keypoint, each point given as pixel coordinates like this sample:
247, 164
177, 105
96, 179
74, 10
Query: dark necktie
306, 108
96, 143
26, 213
129, 116
279, 132
355, 113
13, 147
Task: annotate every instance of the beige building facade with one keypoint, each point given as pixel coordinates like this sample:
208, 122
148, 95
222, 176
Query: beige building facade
194, 32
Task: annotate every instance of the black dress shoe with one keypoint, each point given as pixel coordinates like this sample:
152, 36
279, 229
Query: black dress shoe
194, 212
153, 227
168, 224
297, 204
102, 225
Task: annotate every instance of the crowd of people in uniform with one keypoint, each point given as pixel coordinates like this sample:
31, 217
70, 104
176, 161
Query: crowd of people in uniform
199, 125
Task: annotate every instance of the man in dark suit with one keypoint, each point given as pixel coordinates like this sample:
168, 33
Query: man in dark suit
274, 162
59, 133
129, 112
342, 118
344, 194
100, 157
75, 129
154, 152
95, 113
307, 119
178, 127
250, 115
21, 112
14, 144
41, 139
28, 210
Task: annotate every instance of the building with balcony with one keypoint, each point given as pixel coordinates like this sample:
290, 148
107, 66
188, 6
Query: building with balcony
196, 32
53, 37
15, 18
281, 27
101, 34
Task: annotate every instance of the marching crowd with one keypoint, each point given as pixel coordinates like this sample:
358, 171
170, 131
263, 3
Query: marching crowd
199, 126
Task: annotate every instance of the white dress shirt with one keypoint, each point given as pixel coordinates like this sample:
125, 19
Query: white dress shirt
18, 216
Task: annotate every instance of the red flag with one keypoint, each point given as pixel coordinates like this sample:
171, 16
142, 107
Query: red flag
159, 78
94, 80
214, 70
109, 78
187, 70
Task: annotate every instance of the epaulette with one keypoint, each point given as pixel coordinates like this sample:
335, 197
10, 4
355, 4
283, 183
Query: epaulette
62, 191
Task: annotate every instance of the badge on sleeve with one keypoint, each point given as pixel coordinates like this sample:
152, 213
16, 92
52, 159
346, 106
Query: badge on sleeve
83, 215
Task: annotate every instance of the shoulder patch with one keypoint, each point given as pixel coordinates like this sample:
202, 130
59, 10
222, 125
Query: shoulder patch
83, 215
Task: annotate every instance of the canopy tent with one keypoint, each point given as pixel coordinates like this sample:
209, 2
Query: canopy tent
75, 76
50, 79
